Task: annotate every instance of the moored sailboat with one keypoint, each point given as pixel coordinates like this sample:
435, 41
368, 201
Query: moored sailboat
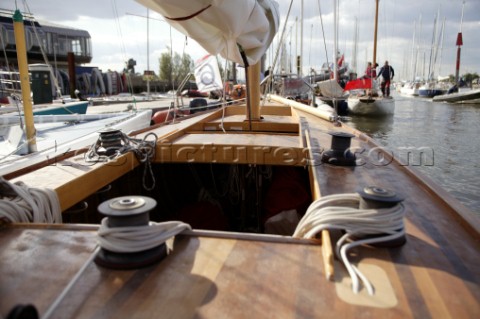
371, 104
33, 135
454, 95
463, 96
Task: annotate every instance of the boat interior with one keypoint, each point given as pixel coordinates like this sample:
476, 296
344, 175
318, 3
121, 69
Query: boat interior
236, 182
228, 181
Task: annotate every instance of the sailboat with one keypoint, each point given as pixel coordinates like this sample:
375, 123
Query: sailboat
43, 103
268, 208
459, 95
371, 104
433, 86
33, 135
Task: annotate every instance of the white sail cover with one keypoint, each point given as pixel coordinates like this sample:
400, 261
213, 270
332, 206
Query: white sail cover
330, 88
219, 26
207, 74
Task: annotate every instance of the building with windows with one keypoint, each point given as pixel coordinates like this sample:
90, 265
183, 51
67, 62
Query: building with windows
54, 40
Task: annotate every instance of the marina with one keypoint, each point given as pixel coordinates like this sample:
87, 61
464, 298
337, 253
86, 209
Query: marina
446, 133
252, 204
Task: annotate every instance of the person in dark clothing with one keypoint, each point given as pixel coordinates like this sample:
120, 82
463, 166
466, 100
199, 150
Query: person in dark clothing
387, 73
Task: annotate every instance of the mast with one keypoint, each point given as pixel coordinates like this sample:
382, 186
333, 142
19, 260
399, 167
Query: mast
355, 46
431, 65
441, 47
375, 34
253, 92
148, 53
19, 31
414, 53
147, 74
335, 58
301, 42
459, 44
335, 41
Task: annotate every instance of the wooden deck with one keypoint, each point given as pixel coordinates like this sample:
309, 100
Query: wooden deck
436, 274
207, 277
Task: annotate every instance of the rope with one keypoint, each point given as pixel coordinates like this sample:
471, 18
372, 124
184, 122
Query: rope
22, 204
224, 91
123, 240
342, 212
137, 238
144, 152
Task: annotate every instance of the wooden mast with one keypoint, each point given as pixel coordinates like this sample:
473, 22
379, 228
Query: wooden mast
24, 80
375, 34
253, 92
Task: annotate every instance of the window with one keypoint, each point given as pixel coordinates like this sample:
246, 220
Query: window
76, 47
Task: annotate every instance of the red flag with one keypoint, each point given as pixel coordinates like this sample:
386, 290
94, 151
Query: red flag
359, 84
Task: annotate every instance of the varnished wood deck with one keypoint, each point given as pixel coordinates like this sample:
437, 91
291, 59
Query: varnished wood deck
208, 277
436, 274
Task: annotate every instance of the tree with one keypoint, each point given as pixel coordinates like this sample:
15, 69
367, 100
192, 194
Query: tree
166, 67
186, 66
469, 77
174, 69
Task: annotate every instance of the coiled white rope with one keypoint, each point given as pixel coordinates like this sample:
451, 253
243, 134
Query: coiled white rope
22, 204
341, 212
137, 238
124, 240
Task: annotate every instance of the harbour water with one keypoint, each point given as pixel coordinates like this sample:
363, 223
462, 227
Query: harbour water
448, 136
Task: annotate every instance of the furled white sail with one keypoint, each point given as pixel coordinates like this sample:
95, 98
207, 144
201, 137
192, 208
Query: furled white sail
223, 26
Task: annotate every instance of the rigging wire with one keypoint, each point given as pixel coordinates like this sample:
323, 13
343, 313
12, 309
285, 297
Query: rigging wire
274, 64
50, 69
122, 44
323, 32
224, 104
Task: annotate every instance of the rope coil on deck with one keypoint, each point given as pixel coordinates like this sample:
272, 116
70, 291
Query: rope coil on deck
345, 212
126, 238
137, 238
22, 204
113, 143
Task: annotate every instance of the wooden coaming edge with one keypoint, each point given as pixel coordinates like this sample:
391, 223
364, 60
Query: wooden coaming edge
85, 185
327, 250
269, 238
42, 226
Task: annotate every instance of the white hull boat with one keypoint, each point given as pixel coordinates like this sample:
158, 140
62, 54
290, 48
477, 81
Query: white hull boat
372, 106
57, 135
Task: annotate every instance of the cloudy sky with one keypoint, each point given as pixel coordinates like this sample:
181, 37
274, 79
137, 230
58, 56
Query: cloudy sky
119, 31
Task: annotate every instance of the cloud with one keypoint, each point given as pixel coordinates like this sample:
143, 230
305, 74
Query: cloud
119, 32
